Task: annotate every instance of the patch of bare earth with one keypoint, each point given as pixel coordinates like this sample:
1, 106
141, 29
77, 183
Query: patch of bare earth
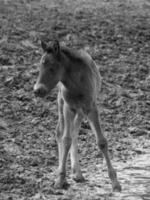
117, 35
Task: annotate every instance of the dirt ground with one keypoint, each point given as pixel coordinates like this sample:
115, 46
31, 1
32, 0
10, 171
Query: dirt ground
117, 35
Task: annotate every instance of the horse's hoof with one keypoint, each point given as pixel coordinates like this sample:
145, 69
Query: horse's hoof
61, 184
78, 177
117, 187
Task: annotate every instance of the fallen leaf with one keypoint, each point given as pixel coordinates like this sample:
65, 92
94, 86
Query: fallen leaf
3, 125
28, 44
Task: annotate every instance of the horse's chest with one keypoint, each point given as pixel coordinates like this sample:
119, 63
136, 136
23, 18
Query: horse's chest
74, 99
77, 98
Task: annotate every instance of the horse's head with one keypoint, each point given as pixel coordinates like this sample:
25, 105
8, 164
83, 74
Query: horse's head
49, 70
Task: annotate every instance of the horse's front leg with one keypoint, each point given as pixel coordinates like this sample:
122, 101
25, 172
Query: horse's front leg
77, 174
65, 146
60, 126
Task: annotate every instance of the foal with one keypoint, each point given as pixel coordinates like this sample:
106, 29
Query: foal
79, 82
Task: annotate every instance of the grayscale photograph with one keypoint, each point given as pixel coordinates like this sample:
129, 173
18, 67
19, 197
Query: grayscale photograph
75, 100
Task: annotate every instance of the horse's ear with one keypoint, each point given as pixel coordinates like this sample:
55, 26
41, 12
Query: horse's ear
44, 45
56, 48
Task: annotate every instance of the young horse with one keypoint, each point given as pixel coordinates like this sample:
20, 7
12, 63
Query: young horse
79, 82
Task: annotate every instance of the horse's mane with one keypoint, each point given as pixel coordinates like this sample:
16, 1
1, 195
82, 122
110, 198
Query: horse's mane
72, 54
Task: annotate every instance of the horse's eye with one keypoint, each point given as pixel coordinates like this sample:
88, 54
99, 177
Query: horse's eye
51, 69
43, 61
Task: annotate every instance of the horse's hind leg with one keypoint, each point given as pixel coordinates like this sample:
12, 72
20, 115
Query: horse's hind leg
102, 144
77, 174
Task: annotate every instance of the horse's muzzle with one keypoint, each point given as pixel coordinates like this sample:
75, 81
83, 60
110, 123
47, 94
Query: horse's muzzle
40, 91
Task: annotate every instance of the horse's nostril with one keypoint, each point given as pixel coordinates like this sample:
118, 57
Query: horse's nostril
36, 92
40, 92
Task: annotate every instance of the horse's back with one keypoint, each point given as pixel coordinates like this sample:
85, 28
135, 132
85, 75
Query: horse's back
95, 74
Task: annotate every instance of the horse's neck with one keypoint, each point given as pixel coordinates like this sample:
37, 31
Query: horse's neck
71, 75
